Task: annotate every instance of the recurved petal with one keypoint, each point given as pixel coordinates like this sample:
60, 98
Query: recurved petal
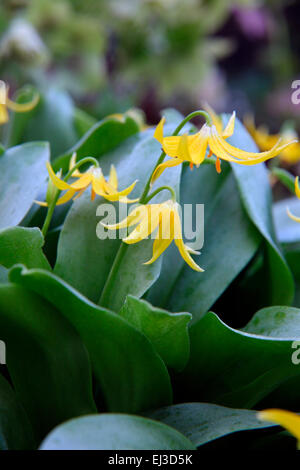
292, 216
159, 131
159, 246
146, 226
132, 219
66, 197
171, 145
217, 121
229, 129
23, 107
72, 163
113, 195
83, 182
286, 419
243, 155
297, 189
113, 177
60, 184
161, 168
183, 250
3, 114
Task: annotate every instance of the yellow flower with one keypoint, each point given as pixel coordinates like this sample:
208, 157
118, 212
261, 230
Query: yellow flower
286, 419
17, 107
264, 140
192, 148
297, 191
165, 219
92, 177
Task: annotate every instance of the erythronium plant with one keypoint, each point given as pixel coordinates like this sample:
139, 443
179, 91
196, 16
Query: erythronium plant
161, 217
89, 323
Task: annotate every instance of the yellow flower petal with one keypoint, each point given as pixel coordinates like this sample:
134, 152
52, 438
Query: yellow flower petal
217, 121
286, 419
112, 195
159, 246
183, 250
296, 219
159, 131
23, 107
171, 145
72, 163
60, 184
113, 177
83, 182
4, 117
229, 129
161, 168
146, 226
66, 197
297, 189
132, 219
243, 155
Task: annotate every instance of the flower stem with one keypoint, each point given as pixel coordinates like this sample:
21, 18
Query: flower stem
52, 205
158, 190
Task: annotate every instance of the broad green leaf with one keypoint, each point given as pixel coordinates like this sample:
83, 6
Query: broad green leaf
83, 122
167, 331
275, 322
100, 139
131, 374
287, 230
254, 187
22, 173
115, 432
84, 260
204, 422
22, 245
53, 120
235, 368
230, 242
46, 359
15, 430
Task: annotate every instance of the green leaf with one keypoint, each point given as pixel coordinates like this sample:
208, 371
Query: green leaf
85, 261
83, 122
15, 430
100, 139
275, 322
46, 359
22, 173
115, 432
53, 120
22, 245
254, 187
131, 375
167, 331
230, 242
235, 368
204, 422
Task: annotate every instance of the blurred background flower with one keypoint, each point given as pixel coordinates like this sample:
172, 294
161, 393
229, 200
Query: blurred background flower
112, 55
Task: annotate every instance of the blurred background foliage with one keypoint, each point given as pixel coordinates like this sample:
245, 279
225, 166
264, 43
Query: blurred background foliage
111, 55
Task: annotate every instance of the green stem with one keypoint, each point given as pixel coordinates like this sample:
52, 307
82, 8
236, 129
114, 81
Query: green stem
158, 190
52, 205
